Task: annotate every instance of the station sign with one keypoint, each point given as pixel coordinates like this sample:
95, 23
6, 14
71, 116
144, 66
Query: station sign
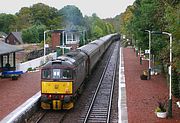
146, 51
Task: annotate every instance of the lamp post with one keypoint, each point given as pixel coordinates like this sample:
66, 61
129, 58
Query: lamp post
140, 56
169, 71
149, 73
45, 43
170, 75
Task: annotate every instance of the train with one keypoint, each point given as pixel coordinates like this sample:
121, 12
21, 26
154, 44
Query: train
62, 78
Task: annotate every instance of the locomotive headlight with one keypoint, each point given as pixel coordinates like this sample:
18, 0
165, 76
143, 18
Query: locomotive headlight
62, 97
49, 96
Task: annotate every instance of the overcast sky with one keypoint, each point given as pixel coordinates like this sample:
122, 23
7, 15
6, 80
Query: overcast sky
103, 8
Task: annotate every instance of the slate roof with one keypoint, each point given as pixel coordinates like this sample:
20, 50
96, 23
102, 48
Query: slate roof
18, 36
7, 48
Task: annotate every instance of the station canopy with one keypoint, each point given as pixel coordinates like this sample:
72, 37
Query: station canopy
7, 48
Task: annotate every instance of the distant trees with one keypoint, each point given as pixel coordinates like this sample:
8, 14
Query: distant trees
34, 20
114, 22
97, 27
24, 18
93, 25
7, 22
38, 14
157, 16
33, 34
152, 15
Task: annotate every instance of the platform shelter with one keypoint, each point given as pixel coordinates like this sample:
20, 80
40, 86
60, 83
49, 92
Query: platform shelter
8, 56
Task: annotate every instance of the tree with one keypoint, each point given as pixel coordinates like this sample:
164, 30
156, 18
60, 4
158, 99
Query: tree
157, 16
97, 27
38, 14
24, 18
7, 22
33, 34
97, 32
114, 22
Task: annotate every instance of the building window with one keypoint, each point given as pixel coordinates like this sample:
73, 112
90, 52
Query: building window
72, 38
5, 61
69, 37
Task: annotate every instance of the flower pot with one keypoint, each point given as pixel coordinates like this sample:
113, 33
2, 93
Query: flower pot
161, 114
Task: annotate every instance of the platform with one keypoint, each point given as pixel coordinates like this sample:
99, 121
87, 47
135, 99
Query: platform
15, 93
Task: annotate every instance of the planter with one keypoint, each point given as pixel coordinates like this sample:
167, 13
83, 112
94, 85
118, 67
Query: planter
161, 114
143, 77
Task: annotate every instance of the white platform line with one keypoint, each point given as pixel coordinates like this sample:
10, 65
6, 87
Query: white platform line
121, 85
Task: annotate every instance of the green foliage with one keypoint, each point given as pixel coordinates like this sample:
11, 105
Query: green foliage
30, 69
172, 16
33, 20
7, 22
161, 106
45, 15
97, 27
38, 14
33, 34
24, 18
154, 15
97, 32
175, 84
114, 22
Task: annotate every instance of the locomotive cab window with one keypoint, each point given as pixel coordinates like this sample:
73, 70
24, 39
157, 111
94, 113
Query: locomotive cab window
67, 74
56, 74
46, 74
62, 74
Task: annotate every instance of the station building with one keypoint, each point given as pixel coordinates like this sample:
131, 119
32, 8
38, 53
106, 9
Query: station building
65, 40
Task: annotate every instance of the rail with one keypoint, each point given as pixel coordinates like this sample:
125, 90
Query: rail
100, 106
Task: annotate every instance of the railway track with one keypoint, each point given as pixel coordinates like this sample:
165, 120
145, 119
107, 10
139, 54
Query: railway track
50, 116
43, 116
100, 107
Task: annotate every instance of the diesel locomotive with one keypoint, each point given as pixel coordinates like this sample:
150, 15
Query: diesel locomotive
62, 79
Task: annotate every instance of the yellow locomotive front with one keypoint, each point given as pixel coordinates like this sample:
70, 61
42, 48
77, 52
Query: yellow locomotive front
56, 86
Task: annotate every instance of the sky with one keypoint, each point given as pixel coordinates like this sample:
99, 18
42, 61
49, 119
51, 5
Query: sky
103, 8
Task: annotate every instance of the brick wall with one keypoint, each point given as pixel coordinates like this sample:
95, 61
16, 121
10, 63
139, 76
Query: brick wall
55, 36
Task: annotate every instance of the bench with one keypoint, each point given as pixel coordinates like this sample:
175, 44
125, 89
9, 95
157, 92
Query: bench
13, 74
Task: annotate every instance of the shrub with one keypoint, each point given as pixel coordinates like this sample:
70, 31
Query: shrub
30, 69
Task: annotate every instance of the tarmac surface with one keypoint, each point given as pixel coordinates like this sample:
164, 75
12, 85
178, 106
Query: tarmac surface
142, 95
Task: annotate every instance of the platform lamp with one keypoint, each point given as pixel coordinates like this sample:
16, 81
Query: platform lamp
170, 72
45, 43
149, 73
